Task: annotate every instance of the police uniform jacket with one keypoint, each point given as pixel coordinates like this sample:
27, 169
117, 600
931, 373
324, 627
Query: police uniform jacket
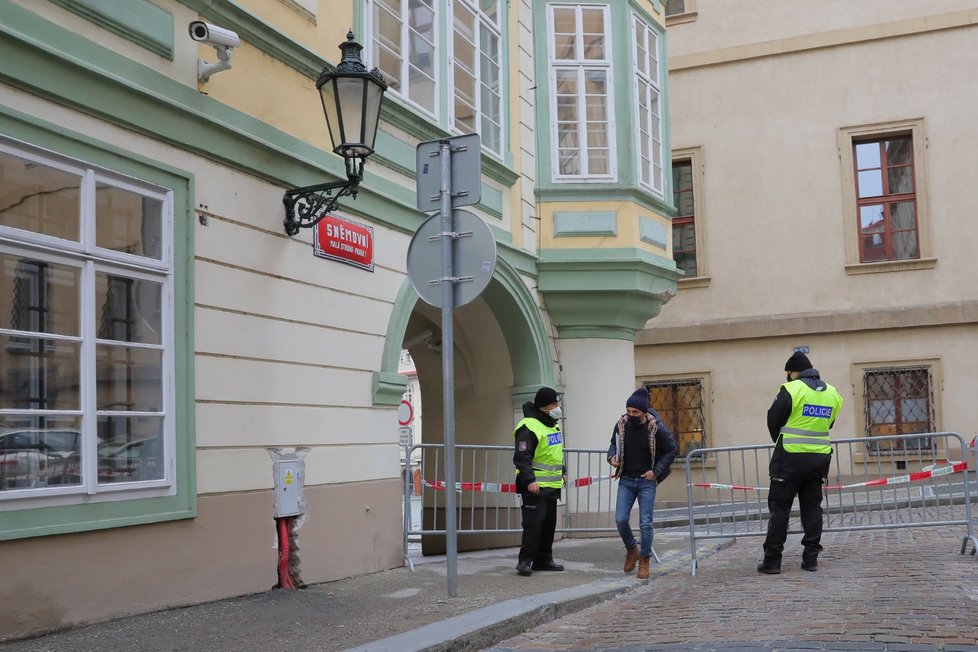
794, 465
526, 446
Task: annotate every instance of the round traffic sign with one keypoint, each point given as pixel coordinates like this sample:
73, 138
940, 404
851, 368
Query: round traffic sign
405, 413
473, 254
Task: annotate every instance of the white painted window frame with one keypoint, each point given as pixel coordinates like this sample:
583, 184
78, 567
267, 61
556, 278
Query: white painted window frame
581, 65
482, 20
404, 92
650, 88
89, 259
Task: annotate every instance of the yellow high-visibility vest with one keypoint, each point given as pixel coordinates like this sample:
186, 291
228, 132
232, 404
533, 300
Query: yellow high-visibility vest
812, 412
548, 457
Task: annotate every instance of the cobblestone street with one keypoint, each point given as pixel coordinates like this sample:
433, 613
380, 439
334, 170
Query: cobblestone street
875, 590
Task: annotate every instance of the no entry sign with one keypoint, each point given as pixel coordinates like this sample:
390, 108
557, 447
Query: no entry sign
405, 413
346, 241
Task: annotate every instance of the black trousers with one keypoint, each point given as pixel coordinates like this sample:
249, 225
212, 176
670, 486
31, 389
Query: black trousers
539, 523
780, 498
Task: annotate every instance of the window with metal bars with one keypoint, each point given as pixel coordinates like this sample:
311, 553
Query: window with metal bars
680, 405
899, 401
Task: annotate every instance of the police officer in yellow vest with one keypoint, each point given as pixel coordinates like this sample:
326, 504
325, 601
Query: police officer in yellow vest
540, 470
799, 421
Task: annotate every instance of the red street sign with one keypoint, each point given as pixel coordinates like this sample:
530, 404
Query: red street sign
405, 413
345, 241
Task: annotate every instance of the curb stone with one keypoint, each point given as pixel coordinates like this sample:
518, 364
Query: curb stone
477, 630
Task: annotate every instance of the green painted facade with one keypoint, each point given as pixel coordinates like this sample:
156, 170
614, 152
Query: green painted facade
605, 293
140, 21
588, 293
56, 520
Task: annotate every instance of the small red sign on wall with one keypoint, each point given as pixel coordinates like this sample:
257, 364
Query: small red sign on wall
345, 241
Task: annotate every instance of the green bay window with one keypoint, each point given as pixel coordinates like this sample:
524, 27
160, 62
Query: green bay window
581, 92
648, 108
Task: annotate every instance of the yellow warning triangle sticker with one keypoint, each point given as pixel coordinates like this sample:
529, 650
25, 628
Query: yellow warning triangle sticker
288, 477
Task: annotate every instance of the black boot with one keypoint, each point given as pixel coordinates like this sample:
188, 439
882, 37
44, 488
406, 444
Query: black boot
770, 566
547, 566
525, 567
809, 563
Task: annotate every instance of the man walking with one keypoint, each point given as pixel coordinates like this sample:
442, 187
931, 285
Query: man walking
641, 450
799, 421
539, 460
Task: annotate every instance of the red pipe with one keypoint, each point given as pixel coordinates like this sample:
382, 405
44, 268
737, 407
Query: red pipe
284, 581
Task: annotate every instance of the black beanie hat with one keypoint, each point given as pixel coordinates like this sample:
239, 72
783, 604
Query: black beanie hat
639, 400
797, 362
545, 396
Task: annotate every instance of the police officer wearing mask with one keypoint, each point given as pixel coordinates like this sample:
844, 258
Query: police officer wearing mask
799, 421
540, 471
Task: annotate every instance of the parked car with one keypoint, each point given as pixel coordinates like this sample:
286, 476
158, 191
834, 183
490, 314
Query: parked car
39, 458
131, 461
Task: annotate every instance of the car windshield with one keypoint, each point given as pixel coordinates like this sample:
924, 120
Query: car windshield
62, 441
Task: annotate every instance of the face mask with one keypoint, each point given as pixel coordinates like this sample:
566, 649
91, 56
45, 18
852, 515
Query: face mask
788, 377
556, 413
635, 421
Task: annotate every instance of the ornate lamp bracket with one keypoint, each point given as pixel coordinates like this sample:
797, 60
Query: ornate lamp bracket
306, 207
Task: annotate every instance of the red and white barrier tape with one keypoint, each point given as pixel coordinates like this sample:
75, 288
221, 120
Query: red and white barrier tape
587, 482
495, 487
925, 474
930, 471
717, 485
491, 487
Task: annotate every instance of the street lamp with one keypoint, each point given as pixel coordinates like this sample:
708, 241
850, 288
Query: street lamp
351, 97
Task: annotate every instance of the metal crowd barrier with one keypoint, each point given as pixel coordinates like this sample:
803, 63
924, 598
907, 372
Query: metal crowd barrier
875, 483
487, 502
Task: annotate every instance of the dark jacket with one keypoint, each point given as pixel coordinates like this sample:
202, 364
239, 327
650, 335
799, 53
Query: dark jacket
523, 455
665, 451
794, 465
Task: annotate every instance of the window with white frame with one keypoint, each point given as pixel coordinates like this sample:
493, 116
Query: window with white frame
476, 71
648, 110
86, 342
581, 92
403, 42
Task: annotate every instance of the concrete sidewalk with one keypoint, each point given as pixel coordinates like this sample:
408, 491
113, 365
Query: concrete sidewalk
901, 589
396, 610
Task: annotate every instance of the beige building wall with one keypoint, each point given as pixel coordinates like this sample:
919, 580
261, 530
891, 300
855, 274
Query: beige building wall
286, 345
770, 94
284, 357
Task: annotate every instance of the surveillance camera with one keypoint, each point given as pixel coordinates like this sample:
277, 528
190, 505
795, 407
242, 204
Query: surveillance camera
213, 35
222, 40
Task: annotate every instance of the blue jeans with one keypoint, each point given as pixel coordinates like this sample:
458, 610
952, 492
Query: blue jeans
630, 490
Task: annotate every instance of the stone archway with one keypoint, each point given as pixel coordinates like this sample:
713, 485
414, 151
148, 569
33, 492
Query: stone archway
502, 356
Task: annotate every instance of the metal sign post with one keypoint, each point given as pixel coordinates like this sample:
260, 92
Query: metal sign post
448, 364
459, 183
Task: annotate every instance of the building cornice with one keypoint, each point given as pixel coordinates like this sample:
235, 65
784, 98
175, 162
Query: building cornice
918, 316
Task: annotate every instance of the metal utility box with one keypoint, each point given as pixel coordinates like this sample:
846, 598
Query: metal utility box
288, 473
